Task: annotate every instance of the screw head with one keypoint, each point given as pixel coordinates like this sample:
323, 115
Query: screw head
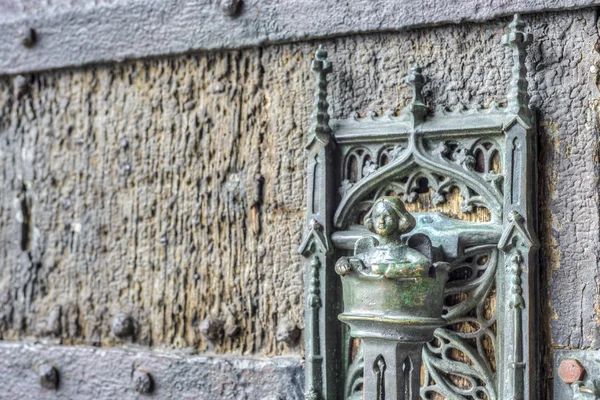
231, 7
571, 371
27, 37
123, 326
143, 382
48, 376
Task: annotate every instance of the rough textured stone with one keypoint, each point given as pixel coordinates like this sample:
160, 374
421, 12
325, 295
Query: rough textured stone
173, 189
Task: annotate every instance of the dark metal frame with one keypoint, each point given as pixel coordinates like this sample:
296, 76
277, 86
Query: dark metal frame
444, 148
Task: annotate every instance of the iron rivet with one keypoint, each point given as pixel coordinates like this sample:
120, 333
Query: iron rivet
20, 86
123, 326
27, 37
231, 7
143, 382
288, 334
571, 371
231, 330
212, 329
48, 376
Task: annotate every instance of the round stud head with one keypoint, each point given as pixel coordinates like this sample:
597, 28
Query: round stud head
212, 329
27, 37
143, 382
231, 330
123, 326
231, 7
571, 371
48, 376
288, 333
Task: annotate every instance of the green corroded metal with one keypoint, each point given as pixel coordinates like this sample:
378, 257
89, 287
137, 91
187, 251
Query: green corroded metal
387, 282
585, 391
517, 286
354, 166
322, 305
393, 300
589, 386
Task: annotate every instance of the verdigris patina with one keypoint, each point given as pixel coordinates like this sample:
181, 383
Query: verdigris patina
386, 255
576, 375
393, 300
484, 159
585, 391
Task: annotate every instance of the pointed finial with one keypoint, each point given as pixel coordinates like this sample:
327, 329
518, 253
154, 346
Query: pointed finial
518, 40
416, 79
417, 107
321, 54
320, 130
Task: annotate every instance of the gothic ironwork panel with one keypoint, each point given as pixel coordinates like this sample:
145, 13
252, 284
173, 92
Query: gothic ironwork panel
478, 343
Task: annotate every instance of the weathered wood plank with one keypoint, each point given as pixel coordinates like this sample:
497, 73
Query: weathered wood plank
145, 192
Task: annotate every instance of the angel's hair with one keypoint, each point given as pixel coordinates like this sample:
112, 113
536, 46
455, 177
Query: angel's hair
406, 222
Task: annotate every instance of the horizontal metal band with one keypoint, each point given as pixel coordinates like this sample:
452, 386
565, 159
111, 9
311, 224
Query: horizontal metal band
100, 373
69, 35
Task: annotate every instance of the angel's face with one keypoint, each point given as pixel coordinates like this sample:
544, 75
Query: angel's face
385, 222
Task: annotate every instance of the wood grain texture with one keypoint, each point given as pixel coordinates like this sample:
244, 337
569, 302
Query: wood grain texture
144, 196
173, 189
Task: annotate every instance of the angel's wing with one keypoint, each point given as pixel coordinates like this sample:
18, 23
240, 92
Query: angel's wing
365, 244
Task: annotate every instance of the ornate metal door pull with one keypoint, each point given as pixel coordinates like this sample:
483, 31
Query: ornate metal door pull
422, 290
393, 300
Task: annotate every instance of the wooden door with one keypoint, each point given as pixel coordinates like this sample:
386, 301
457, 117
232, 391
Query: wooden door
153, 184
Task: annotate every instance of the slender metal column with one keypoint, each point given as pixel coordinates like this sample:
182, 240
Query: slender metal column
392, 370
321, 337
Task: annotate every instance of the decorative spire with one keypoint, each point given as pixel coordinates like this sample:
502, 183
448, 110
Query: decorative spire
518, 40
517, 291
319, 129
417, 107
